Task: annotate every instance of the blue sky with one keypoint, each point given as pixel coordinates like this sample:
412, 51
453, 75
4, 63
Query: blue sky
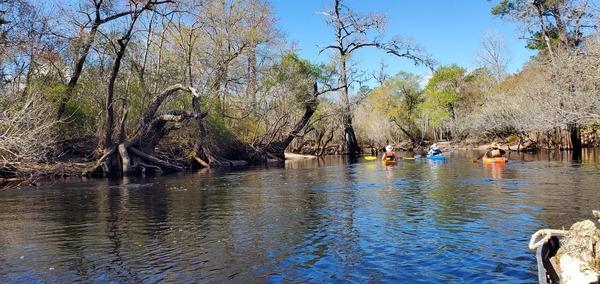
449, 30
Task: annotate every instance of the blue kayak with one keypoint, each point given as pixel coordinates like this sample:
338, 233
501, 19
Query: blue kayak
436, 157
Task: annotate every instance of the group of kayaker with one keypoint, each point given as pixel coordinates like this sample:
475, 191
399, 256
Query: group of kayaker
494, 151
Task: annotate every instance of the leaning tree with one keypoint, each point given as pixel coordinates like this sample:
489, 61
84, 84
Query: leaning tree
136, 154
297, 80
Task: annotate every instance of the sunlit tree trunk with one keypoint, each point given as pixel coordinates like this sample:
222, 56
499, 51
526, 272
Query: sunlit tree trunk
349, 135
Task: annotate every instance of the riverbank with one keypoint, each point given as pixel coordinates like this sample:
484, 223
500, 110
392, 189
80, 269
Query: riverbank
17, 175
21, 175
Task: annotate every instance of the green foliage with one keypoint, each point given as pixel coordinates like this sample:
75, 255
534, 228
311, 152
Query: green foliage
504, 8
301, 66
297, 76
537, 41
218, 132
478, 74
406, 95
78, 119
398, 100
55, 93
443, 92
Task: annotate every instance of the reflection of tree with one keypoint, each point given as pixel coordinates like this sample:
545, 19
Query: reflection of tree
349, 251
73, 216
114, 212
456, 201
414, 193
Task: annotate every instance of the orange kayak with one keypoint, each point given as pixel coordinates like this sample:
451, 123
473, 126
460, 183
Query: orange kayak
389, 162
494, 160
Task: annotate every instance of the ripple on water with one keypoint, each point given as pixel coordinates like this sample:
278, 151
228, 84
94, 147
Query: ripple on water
417, 222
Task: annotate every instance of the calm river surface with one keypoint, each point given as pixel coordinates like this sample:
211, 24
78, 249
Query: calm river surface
321, 220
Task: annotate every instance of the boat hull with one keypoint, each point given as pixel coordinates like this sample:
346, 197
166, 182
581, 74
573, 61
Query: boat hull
389, 162
501, 160
436, 157
546, 261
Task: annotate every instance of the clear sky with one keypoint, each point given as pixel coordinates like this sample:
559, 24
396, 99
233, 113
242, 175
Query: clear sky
449, 30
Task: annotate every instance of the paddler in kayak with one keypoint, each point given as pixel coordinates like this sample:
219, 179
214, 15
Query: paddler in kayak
389, 154
434, 150
494, 151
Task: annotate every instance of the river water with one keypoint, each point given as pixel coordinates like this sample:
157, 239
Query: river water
320, 220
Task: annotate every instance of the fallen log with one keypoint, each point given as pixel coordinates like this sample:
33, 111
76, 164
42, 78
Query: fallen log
155, 160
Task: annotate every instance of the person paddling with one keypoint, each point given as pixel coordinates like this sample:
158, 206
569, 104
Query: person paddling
434, 150
494, 151
389, 154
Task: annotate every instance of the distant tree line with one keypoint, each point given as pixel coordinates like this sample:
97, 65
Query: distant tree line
152, 86
546, 104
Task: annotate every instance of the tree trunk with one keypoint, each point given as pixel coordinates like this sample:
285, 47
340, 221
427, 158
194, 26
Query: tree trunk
349, 135
136, 155
202, 152
89, 39
277, 149
106, 138
575, 135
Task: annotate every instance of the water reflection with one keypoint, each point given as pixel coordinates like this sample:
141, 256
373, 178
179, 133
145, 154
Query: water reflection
319, 220
495, 170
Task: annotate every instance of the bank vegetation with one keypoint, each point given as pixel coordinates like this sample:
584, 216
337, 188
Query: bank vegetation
138, 87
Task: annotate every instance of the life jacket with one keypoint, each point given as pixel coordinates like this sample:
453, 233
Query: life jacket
390, 156
494, 153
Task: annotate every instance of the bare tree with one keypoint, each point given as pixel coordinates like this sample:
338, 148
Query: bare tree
558, 29
26, 130
494, 54
97, 13
136, 153
354, 31
234, 38
535, 100
25, 44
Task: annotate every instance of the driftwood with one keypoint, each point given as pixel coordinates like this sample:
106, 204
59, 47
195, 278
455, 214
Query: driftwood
579, 254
